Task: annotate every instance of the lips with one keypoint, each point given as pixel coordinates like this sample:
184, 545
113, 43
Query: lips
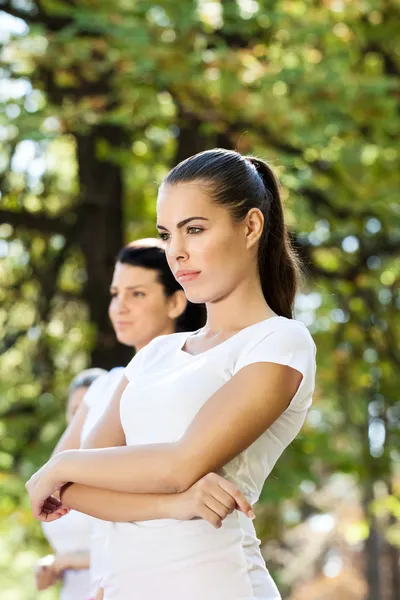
186, 275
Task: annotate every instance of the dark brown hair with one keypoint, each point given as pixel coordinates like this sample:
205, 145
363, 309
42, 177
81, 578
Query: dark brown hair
241, 183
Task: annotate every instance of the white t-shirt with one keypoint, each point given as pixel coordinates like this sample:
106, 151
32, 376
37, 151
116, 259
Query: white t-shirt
77, 532
69, 535
97, 399
177, 560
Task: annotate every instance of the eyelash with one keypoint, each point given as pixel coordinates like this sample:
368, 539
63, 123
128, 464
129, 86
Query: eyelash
165, 236
134, 294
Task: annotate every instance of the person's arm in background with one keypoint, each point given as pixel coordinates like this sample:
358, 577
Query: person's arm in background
71, 438
108, 432
100, 594
70, 560
108, 435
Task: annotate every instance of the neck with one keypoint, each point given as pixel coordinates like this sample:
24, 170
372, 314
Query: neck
240, 308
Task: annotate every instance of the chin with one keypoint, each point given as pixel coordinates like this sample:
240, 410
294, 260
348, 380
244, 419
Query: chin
125, 339
196, 296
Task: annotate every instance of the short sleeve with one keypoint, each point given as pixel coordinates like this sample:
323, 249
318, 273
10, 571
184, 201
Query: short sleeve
134, 368
291, 346
93, 391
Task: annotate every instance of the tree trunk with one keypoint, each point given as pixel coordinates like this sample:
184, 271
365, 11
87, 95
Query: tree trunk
101, 235
372, 546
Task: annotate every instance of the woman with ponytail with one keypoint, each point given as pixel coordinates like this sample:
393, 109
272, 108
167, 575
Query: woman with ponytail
229, 397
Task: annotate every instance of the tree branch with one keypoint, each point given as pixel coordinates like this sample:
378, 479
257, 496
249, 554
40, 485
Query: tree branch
63, 224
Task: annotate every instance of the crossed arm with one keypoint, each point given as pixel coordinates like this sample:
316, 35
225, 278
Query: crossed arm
233, 418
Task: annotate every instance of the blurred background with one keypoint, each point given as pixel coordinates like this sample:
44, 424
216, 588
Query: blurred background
99, 100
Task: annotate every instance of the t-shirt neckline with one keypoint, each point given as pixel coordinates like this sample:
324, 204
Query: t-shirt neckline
184, 353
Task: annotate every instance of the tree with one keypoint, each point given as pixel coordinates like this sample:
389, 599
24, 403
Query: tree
106, 102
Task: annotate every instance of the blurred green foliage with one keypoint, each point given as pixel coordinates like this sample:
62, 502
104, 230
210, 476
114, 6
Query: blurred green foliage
99, 101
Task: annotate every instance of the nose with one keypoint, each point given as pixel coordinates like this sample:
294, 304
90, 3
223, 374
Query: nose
120, 305
176, 250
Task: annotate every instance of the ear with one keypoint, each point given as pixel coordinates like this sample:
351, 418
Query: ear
176, 304
254, 226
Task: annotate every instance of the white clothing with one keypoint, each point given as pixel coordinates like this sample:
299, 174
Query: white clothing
191, 560
97, 399
77, 532
66, 535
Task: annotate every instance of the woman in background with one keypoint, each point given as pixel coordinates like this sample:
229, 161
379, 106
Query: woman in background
70, 536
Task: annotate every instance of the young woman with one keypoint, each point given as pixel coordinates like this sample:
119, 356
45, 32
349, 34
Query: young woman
146, 301
228, 397
70, 536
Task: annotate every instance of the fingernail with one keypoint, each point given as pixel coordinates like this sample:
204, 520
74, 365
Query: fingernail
251, 515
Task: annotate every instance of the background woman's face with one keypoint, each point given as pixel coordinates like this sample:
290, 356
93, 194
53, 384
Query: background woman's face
203, 240
139, 309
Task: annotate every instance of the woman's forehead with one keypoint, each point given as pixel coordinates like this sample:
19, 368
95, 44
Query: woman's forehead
133, 274
182, 201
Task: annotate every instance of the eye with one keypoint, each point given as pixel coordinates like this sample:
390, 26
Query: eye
163, 236
138, 294
194, 230
113, 294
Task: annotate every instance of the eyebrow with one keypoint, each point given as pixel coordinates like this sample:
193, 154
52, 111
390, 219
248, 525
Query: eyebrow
132, 287
184, 222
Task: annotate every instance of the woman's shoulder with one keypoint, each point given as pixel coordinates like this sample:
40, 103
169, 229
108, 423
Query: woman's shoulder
278, 336
103, 384
165, 343
281, 327
155, 350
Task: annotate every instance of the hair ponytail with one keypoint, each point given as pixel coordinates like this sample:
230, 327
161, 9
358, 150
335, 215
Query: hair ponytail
278, 262
241, 183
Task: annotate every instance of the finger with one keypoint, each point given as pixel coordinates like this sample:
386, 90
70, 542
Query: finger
209, 515
54, 500
48, 507
50, 517
223, 497
240, 499
219, 509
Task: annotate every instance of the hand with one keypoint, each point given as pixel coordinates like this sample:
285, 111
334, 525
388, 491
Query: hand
40, 488
45, 577
212, 498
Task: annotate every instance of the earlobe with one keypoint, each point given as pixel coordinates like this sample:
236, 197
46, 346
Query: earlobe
255, 226
177, 304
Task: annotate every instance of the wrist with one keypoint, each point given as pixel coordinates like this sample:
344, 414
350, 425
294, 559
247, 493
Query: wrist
60, 563
60, 466
177, 507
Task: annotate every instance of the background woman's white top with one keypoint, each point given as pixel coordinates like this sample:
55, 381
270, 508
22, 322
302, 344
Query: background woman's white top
182, 560
77, 532
97, 399
67, 535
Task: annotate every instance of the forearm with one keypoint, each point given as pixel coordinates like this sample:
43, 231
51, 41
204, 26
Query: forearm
71, 438
73, 560
120, 506
148, 469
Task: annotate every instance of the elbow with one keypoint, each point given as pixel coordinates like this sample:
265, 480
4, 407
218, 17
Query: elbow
180, 476
176, 482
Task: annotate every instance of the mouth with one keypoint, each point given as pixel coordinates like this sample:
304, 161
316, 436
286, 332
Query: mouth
122, 324
184, 275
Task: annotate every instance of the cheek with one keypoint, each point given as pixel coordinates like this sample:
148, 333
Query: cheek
150, 311
111, 309
219, 250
